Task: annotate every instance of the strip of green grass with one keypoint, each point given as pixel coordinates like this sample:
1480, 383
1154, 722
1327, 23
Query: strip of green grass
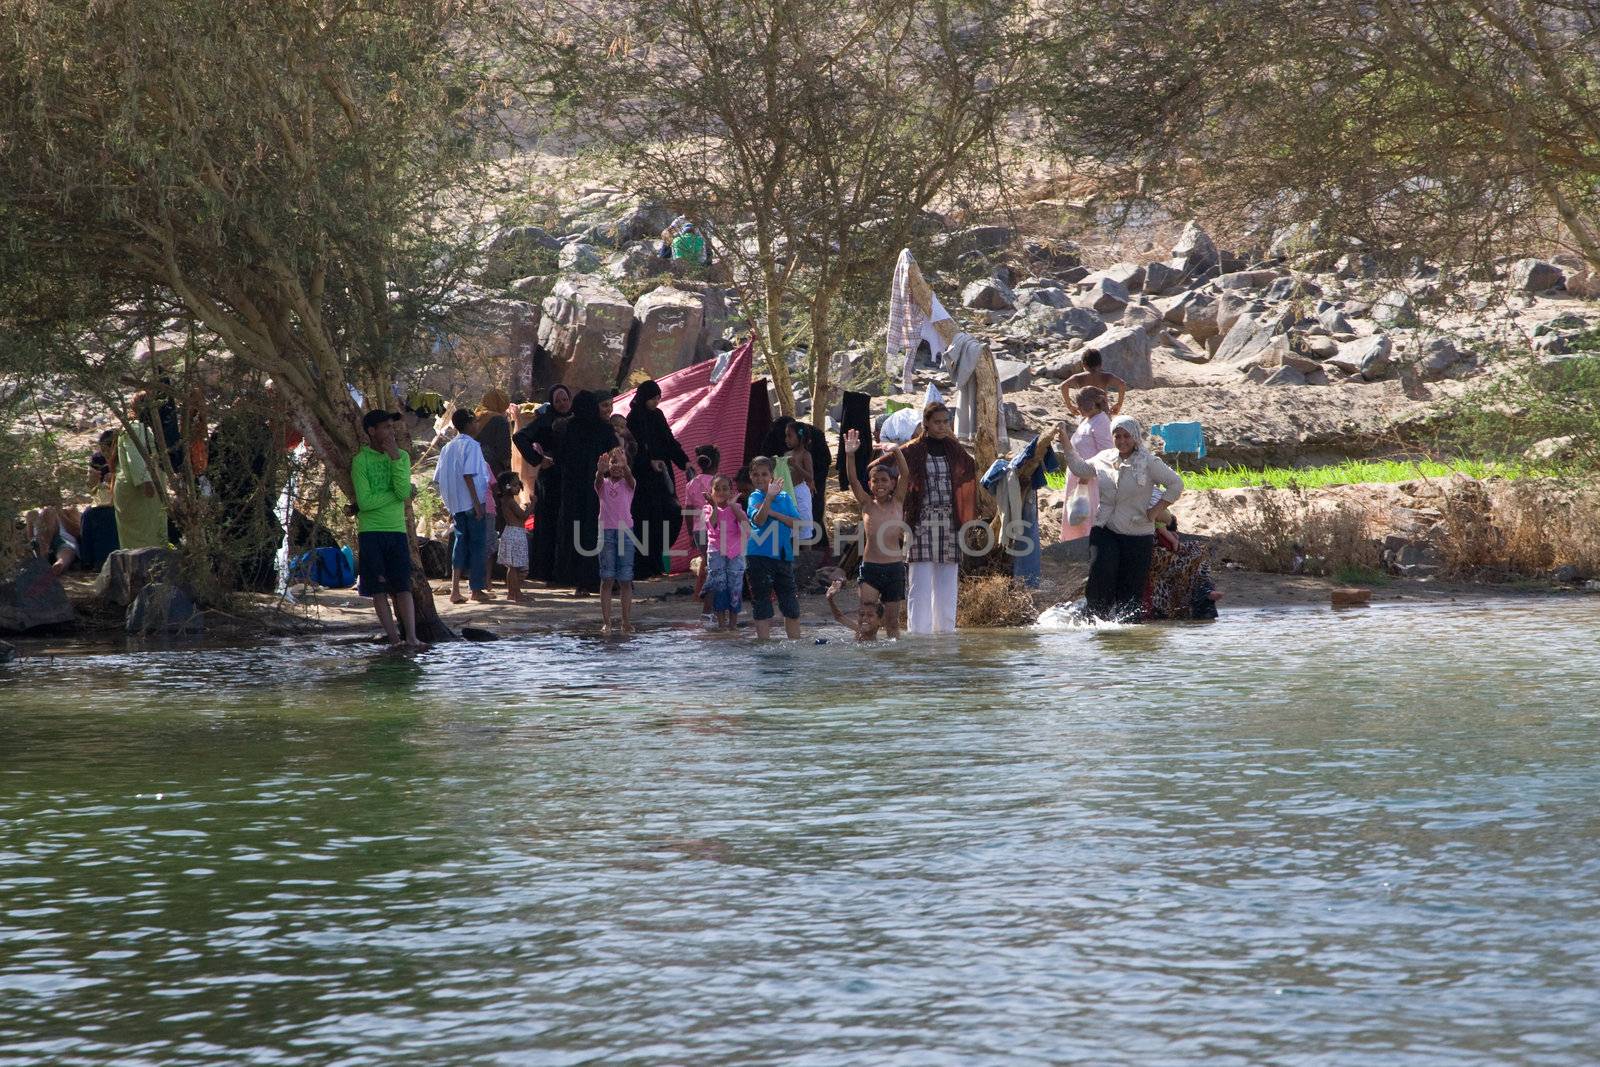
1351, 472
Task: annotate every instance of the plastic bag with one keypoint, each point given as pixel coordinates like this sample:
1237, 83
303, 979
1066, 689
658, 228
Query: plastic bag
1078, 505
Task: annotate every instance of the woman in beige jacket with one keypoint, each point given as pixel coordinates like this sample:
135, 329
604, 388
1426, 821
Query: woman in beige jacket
1134, 487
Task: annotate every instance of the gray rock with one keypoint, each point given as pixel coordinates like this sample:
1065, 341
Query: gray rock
1371, 358
1231, 307
33, 598
1016, 421
7, 652
518, 251
1105, 296
1566, 574
1247, 279
976, 239
1552, 449
1394, 308
1535, 275
1319, 348
1250, 338
1195, 250
1146, 316
1125, 352
1296, 239
667, 325
579, 257
1061, 369
1284, 376
584, 330
992, 295
1333, 321
1439, 357
1074, 322
128, 570
163, 609
635, 261
1014, 375
1161, 279
639, 221
1196, 316
1293, 288
1356, 265
1048, 296
1128, 275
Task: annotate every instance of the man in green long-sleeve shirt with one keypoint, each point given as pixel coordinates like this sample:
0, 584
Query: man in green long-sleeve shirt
381, 474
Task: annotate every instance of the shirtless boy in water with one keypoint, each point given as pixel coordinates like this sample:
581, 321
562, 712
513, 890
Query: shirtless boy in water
883, 530
1093, 375
869, 615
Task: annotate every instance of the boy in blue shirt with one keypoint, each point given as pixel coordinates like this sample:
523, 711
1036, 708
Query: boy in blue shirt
769, 554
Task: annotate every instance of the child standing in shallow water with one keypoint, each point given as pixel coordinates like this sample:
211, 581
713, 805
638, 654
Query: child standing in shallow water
883, 532
725, 524
614, 484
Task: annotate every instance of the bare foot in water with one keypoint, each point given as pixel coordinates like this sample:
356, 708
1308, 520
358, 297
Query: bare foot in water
483, 596
605, 629
417, 646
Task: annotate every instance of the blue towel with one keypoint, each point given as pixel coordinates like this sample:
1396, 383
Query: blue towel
1182, 437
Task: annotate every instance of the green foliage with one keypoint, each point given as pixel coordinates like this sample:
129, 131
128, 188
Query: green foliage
1350, 472
1360, 574
1533, 401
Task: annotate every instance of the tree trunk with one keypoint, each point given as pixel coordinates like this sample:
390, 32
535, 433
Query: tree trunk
985, 436
821, 354
777, 358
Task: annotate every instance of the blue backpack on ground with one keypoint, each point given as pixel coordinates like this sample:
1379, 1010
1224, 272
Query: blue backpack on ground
331, 568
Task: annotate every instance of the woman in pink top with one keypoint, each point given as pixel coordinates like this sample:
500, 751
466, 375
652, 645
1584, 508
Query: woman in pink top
725, 524
1092, 437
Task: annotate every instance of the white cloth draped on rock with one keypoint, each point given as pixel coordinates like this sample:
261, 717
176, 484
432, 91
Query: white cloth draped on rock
909, 326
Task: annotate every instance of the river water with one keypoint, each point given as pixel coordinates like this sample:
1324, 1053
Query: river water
1291, 837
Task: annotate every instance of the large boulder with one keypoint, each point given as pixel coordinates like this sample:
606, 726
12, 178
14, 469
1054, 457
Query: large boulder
667, 323
162, 609
1075, 322
1439, 357
1250, 339
1233, 306
584, 332
975, 239
33, 598
1125, 352
7, 652
1195, 251
1105, 296
991, 295
579, 257
1161, 279
1394, 308
1247, 279
518, 251
1371, 357
1535, 275
1047, 295
1196, 315
128, 570
1128, 275
638, 221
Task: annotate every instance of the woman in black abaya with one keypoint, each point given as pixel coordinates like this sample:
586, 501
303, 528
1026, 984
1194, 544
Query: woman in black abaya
536, 442
581, 439
657, 515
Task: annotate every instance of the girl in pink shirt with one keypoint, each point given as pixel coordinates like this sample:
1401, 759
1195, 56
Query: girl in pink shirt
726, 525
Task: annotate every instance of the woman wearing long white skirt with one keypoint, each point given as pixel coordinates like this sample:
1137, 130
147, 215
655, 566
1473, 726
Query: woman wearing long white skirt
942, 499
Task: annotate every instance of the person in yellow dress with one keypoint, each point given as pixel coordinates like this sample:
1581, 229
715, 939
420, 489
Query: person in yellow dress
141, 511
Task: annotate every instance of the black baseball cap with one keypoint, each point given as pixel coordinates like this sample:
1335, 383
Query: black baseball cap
378, 418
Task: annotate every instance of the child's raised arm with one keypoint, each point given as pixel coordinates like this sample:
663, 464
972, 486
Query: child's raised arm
839, 616
902, 484
852, 444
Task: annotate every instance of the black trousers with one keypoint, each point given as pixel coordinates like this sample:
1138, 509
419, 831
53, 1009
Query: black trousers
1119, 566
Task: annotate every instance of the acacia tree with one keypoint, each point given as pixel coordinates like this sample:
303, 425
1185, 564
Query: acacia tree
811, 134
278, 171
1438, 126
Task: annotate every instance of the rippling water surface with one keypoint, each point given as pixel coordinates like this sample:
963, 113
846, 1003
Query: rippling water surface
1293, 837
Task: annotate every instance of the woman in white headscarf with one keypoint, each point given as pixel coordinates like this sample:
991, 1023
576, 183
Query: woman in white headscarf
1124, 532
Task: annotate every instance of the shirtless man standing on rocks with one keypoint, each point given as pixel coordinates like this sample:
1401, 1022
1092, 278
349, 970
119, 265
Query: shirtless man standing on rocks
1093, 375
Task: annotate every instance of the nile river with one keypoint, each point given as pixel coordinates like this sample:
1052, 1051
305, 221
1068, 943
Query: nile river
1293, 837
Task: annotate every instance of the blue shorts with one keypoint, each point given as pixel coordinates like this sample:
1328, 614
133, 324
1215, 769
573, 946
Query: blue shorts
616, 556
